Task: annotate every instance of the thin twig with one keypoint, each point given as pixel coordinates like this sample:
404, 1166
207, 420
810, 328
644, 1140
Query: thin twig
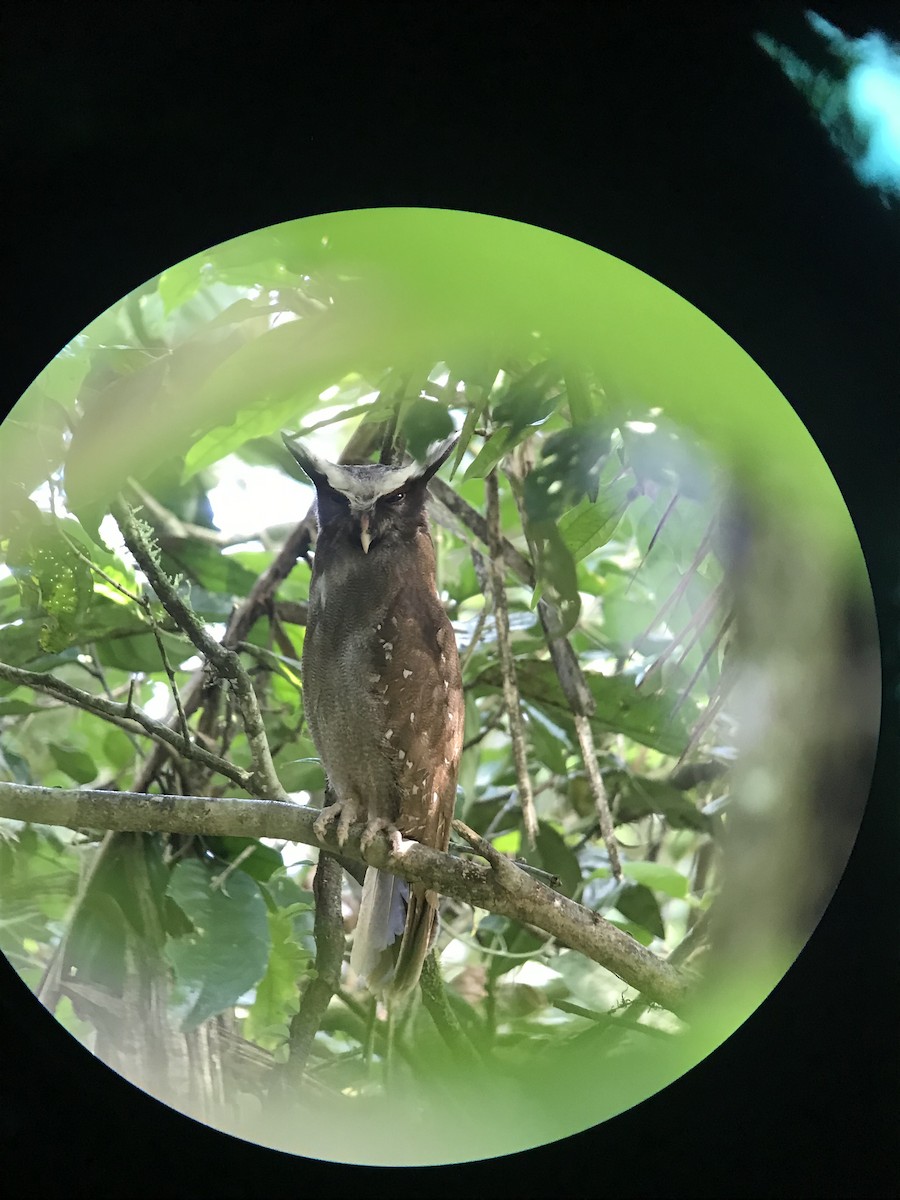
473, 640
128, 717
507, 664
225, 661
598, 791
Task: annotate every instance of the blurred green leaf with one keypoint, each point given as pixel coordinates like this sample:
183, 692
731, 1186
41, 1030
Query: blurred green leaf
637, 796
620, 707
422, 423
490, 454
214, 570
553, 855
259, 865
76, 764
278, 992
658, 877
227, 951
638, 904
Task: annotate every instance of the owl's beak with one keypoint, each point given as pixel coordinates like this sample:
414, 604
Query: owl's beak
365, 538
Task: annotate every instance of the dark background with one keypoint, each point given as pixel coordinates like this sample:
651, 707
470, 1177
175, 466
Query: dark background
135, 136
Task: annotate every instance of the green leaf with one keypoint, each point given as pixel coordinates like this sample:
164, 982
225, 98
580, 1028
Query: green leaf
52, 579
502, 933
555, 569
227, 951
620, 706
554, 855
118, 749
658, 877
569, 468
299, 767
473, 416
422, 423
490, 454
31, 448
278, 992
589, 526
547, 740
143, 420
75, 763
638, 904
259, 865
637, 796
64, 374
638, 932
587, 981
140, 652
213, 570
13, 766
581, 408
18, 708
531, 399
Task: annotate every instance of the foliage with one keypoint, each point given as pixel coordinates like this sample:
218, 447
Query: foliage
187, 383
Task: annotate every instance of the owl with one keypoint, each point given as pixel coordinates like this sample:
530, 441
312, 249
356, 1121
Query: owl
382, 691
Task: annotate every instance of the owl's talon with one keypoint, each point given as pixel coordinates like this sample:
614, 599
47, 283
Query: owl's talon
344, 812
376, 826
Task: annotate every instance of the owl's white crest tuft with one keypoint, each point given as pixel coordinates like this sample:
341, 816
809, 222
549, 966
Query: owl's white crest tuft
364, 485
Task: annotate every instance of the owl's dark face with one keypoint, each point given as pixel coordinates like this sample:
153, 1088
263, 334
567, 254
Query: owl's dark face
369, 507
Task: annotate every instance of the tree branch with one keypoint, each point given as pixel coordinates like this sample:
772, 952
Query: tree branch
224, 660
499, 887
507, 665
329, 935
127, 717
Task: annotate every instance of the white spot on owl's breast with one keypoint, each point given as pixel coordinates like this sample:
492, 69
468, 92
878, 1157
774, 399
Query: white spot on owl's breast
402, 754
388, 646
374, 679
389, 735
406, 673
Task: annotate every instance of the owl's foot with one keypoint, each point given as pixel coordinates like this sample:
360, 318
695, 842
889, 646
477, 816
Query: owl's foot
345, 812
380, 825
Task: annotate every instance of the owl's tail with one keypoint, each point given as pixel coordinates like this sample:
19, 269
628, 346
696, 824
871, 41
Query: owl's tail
389, 910
418, 938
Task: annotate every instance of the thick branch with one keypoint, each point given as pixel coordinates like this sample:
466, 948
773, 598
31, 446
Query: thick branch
329, 934
501, 887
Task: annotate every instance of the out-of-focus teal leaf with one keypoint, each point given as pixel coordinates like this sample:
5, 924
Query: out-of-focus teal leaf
227, 950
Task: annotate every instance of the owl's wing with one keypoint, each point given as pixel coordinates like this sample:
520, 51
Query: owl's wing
421, 691
420, 687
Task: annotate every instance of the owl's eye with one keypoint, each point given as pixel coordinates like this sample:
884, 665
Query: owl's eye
395, 497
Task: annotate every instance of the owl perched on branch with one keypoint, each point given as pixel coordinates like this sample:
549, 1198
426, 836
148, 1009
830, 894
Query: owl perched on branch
382, 691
